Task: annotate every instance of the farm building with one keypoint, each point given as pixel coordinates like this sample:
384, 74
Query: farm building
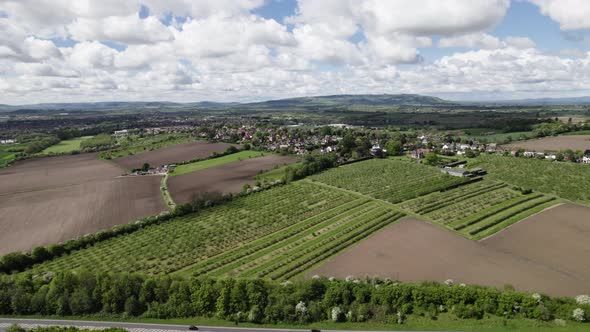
455, 172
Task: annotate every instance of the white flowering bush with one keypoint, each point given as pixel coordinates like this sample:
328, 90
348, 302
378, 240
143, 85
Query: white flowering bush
315, 276
579, 315
336, 314
449, 282
286, 283
583, 299
349, 278
537, 297
301, 308
400, 317
462, 285
331, 278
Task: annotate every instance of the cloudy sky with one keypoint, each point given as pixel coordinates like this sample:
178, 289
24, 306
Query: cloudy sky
247, 50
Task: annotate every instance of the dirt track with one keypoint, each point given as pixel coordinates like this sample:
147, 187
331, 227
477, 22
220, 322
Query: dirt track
574, 142
413, 251
228, 178
44, 201
172, 154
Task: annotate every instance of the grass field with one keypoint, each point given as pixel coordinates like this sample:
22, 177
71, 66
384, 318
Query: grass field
305, 224
135, 144
387, 179
566, 180
478, 209
498, 137
66, 146
273, 174
204, 164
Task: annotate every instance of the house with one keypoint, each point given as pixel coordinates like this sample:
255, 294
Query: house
377, 151
551, 156
121, 133
455, 172
419, 153
585, 160
529, 154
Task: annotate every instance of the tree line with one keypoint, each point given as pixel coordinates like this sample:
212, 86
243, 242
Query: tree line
263, 301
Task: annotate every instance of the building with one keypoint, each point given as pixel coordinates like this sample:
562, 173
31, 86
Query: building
455, 172
121, 133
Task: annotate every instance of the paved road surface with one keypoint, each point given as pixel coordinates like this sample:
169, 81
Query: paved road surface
136, 327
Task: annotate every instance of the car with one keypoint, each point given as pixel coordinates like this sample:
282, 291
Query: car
193, 328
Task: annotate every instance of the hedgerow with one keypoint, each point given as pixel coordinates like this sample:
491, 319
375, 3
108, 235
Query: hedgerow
264, 301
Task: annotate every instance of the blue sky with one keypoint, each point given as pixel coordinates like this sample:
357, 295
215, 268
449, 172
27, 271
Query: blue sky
247, 50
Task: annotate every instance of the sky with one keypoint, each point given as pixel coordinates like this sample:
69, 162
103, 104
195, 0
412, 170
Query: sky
249, 50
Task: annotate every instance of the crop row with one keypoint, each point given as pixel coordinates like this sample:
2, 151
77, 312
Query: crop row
391, 180
415, 205
454, 199
187, 240
272, 258
466, 208
507, 214
488, 213
272, 240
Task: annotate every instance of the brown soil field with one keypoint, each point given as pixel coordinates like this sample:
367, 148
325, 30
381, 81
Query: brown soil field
228, 178
556, 143
172, 154
53, 215
413, 251
47, 200
49, 172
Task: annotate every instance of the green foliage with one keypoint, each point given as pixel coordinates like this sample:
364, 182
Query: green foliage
98, 142
387, 179
241, 224
38, 143
134, 144
264, 301
567, 180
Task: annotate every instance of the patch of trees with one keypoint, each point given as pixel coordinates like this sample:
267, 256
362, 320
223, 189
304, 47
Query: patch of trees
262, 301
37, 142
98, 142
312, 164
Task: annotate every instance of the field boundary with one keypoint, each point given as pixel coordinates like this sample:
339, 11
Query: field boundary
558, 203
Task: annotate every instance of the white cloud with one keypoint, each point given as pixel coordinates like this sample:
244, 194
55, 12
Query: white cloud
570, 14
123, 29
219, 50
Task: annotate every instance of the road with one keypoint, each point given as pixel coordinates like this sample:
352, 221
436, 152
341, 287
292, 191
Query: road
138, 327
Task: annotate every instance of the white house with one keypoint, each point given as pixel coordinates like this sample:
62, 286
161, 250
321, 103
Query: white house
586, 160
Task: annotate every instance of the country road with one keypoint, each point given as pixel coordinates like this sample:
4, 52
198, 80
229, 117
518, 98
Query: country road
138, 327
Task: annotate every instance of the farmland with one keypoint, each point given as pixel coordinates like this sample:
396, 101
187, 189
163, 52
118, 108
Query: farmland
66, 146
479, 209
554, 143
170, 154
59, 198
390, 180
566, 180
200, 165
226, 178
244, 227
416, 251
135, 144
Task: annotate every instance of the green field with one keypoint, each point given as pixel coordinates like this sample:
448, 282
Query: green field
274, 174
247, 236
136, 144
8, 153
66, 146
391, 180
200, 165
478, 209
498, 137
564, 179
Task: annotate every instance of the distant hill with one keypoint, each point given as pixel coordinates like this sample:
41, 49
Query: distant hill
585, 100
350, 101
364, 102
